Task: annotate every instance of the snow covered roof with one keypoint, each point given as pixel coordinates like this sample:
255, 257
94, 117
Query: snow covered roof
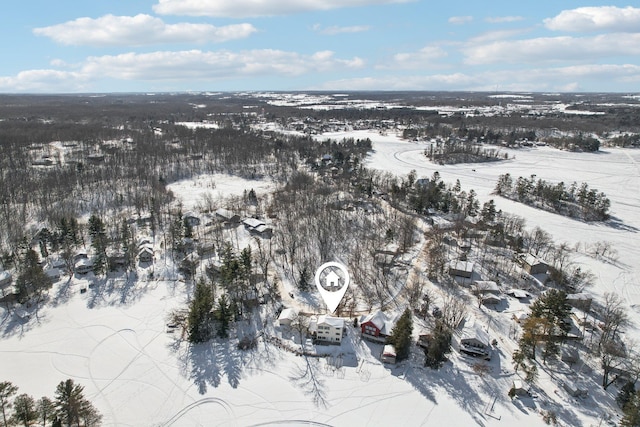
381, 320
5, 276
487, 286
473, 331
288, 314
252, 222
335, 322
389, 350
466, 266
531, 259
518, 293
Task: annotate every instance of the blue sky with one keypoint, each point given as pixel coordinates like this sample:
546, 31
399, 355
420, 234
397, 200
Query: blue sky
233, 45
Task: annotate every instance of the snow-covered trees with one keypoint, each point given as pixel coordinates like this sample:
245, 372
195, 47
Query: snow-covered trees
199, 318
72, 407
32, 281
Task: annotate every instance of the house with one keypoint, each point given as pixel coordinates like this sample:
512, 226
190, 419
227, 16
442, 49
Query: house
191, 219
145, 254
376, 326
461, 269
474, 341
252, 223
5, 278
518, 294
388, 354
262, 230
116, 259
287, 316
83, 266
487, 287
330, 329
227, 217
533, 265
490, 299
53, 273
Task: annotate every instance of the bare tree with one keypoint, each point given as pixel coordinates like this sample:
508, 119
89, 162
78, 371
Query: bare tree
454, 309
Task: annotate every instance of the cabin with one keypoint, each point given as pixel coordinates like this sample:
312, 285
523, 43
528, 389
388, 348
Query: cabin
251, 223
490, 299
227, 217
330, 329
533, 265
519, 294
388, 354
461, 269
474, 341
376, 326
191, 219
487, 287
145, 254
287, 316
581, 301
83, 266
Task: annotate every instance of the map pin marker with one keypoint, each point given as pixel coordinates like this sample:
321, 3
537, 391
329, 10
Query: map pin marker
332, 280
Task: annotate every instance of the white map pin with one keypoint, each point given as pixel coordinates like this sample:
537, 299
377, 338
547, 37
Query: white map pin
332, 280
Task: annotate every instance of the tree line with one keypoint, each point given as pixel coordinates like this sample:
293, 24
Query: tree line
575, 200
68, 407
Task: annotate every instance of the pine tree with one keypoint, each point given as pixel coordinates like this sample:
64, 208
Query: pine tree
98, 243
198, 321
7, 391
32, 280
45, 409
72, 407
25, 409
400, 336
223, 316
631, 412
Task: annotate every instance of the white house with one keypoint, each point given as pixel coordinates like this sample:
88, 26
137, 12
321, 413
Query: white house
83, 266
287, 316
330, 329
474, 340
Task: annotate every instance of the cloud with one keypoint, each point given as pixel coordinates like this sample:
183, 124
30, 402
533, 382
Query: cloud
422, 58
546, 49
561, 79
254, 8
110, 30
503, 19
48, 81
589, 19
198, 65
333, 30
459, 20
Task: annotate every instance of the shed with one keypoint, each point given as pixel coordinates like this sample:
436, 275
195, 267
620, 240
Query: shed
490, 299
191, 218
487, 287
582, 301
461, 269
534, 265
287, 316
518, 293
519, 388
388, 354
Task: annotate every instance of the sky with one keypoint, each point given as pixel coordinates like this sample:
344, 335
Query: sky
100, 46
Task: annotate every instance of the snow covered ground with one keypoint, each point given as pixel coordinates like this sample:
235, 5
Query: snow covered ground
112, 339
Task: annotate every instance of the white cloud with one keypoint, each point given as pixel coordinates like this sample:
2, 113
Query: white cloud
333, 30
423, 58
459, 20
195, 64
503, 19
490, 36
545, 49
110, 30
563, 79
587, 19
48, 81
254, 8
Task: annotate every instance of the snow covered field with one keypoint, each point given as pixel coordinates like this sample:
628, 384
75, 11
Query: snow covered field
112, 339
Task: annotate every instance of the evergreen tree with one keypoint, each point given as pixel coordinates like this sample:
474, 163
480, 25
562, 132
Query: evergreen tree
198, 321
223, 316
7, 391
98, 243
24, 409
631, 412
32, 280
625, 394
45, 409
400, 336
71, 405
439, 345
